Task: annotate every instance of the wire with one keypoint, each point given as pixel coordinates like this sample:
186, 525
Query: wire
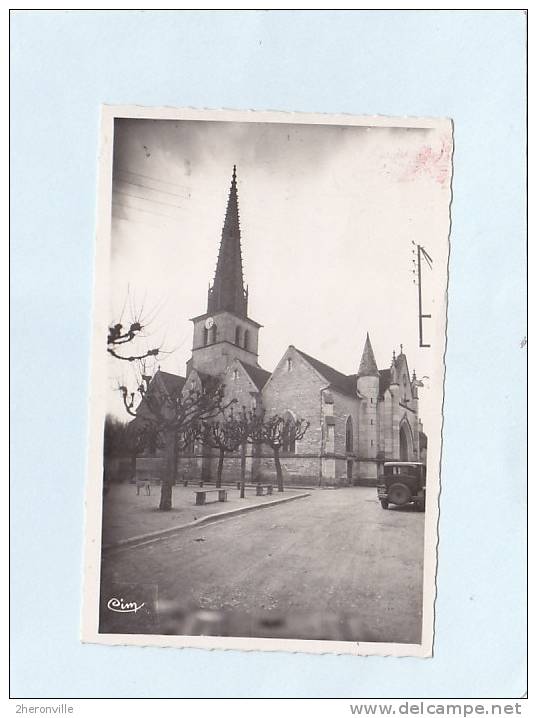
146, 199
153, 179
147, 211
153, 189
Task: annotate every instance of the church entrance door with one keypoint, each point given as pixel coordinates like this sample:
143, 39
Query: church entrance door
403, 445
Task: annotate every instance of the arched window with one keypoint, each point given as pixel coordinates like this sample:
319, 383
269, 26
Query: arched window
289, 442
247, 339
238, 336
349, 437
212, 334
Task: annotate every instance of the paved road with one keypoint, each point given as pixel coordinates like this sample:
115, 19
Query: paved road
334, 558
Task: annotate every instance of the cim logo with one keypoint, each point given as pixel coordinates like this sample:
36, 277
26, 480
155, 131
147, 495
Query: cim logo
120, 606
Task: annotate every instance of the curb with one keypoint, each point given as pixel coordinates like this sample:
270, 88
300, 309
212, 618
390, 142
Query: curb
211, 518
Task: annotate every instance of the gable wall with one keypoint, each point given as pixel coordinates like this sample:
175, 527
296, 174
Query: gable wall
298, 391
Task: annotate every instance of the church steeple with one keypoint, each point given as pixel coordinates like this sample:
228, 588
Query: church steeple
227, 292
225, 332
368, 365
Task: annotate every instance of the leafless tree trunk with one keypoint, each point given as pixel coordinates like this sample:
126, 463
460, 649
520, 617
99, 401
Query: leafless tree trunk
220, 468
169, 479
243, 469
279, 472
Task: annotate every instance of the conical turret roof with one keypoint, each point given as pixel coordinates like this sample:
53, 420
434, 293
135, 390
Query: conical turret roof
227, 291
368, 365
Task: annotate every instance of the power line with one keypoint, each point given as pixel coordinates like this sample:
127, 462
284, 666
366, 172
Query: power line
146, 199
153, 189
153, 179
147, 211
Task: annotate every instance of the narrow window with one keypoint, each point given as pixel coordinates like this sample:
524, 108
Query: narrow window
205, 337
235, 374
247, 339
213, 334
289, 364
238, 336
349, 435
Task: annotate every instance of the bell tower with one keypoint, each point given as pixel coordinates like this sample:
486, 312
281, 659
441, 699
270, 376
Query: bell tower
225, 332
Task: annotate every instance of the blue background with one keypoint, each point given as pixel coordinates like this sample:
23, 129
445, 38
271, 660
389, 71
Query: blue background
468, 65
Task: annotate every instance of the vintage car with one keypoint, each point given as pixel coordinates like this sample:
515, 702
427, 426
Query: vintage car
401, 483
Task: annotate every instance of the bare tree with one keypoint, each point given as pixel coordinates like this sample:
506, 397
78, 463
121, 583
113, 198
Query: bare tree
177, 420
276, 432
119, 336
227, 435
124, 341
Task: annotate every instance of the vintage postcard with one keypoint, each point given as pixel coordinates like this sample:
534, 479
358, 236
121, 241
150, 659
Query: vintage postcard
267, 381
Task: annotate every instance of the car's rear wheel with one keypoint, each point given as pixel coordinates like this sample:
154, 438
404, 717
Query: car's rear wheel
384, 503
399, 494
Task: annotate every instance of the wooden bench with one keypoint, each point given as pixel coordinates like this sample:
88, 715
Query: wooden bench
260, 489
201, 495
144, 483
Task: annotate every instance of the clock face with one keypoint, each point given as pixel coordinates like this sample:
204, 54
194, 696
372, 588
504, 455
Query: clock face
209, 323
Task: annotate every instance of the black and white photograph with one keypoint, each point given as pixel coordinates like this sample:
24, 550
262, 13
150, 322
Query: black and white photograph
267, 381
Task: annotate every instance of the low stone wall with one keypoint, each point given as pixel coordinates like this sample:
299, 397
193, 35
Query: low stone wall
299, 470
150, 468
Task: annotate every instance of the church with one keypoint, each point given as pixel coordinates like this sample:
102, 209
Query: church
356, 421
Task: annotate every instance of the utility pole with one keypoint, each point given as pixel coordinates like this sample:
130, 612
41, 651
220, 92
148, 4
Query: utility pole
421, 316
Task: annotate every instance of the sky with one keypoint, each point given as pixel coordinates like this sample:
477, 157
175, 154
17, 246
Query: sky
328, 215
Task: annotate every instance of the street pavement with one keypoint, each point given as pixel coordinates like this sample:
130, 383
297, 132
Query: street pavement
127, 513
333, 565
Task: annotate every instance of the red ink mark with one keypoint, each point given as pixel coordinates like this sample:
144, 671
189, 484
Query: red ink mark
428, 161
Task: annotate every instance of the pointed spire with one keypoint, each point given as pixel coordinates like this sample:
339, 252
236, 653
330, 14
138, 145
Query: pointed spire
393, 370
368, 365
227, 291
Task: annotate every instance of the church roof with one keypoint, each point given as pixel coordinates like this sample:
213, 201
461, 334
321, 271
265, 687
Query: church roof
385, 380
368, 364
257, 375
227, 291
173, 383
346, 384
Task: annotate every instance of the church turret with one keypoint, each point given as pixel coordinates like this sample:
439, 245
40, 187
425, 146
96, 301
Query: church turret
393, 372
368, 364
368, 375
367, 385
414, 385
227, 291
